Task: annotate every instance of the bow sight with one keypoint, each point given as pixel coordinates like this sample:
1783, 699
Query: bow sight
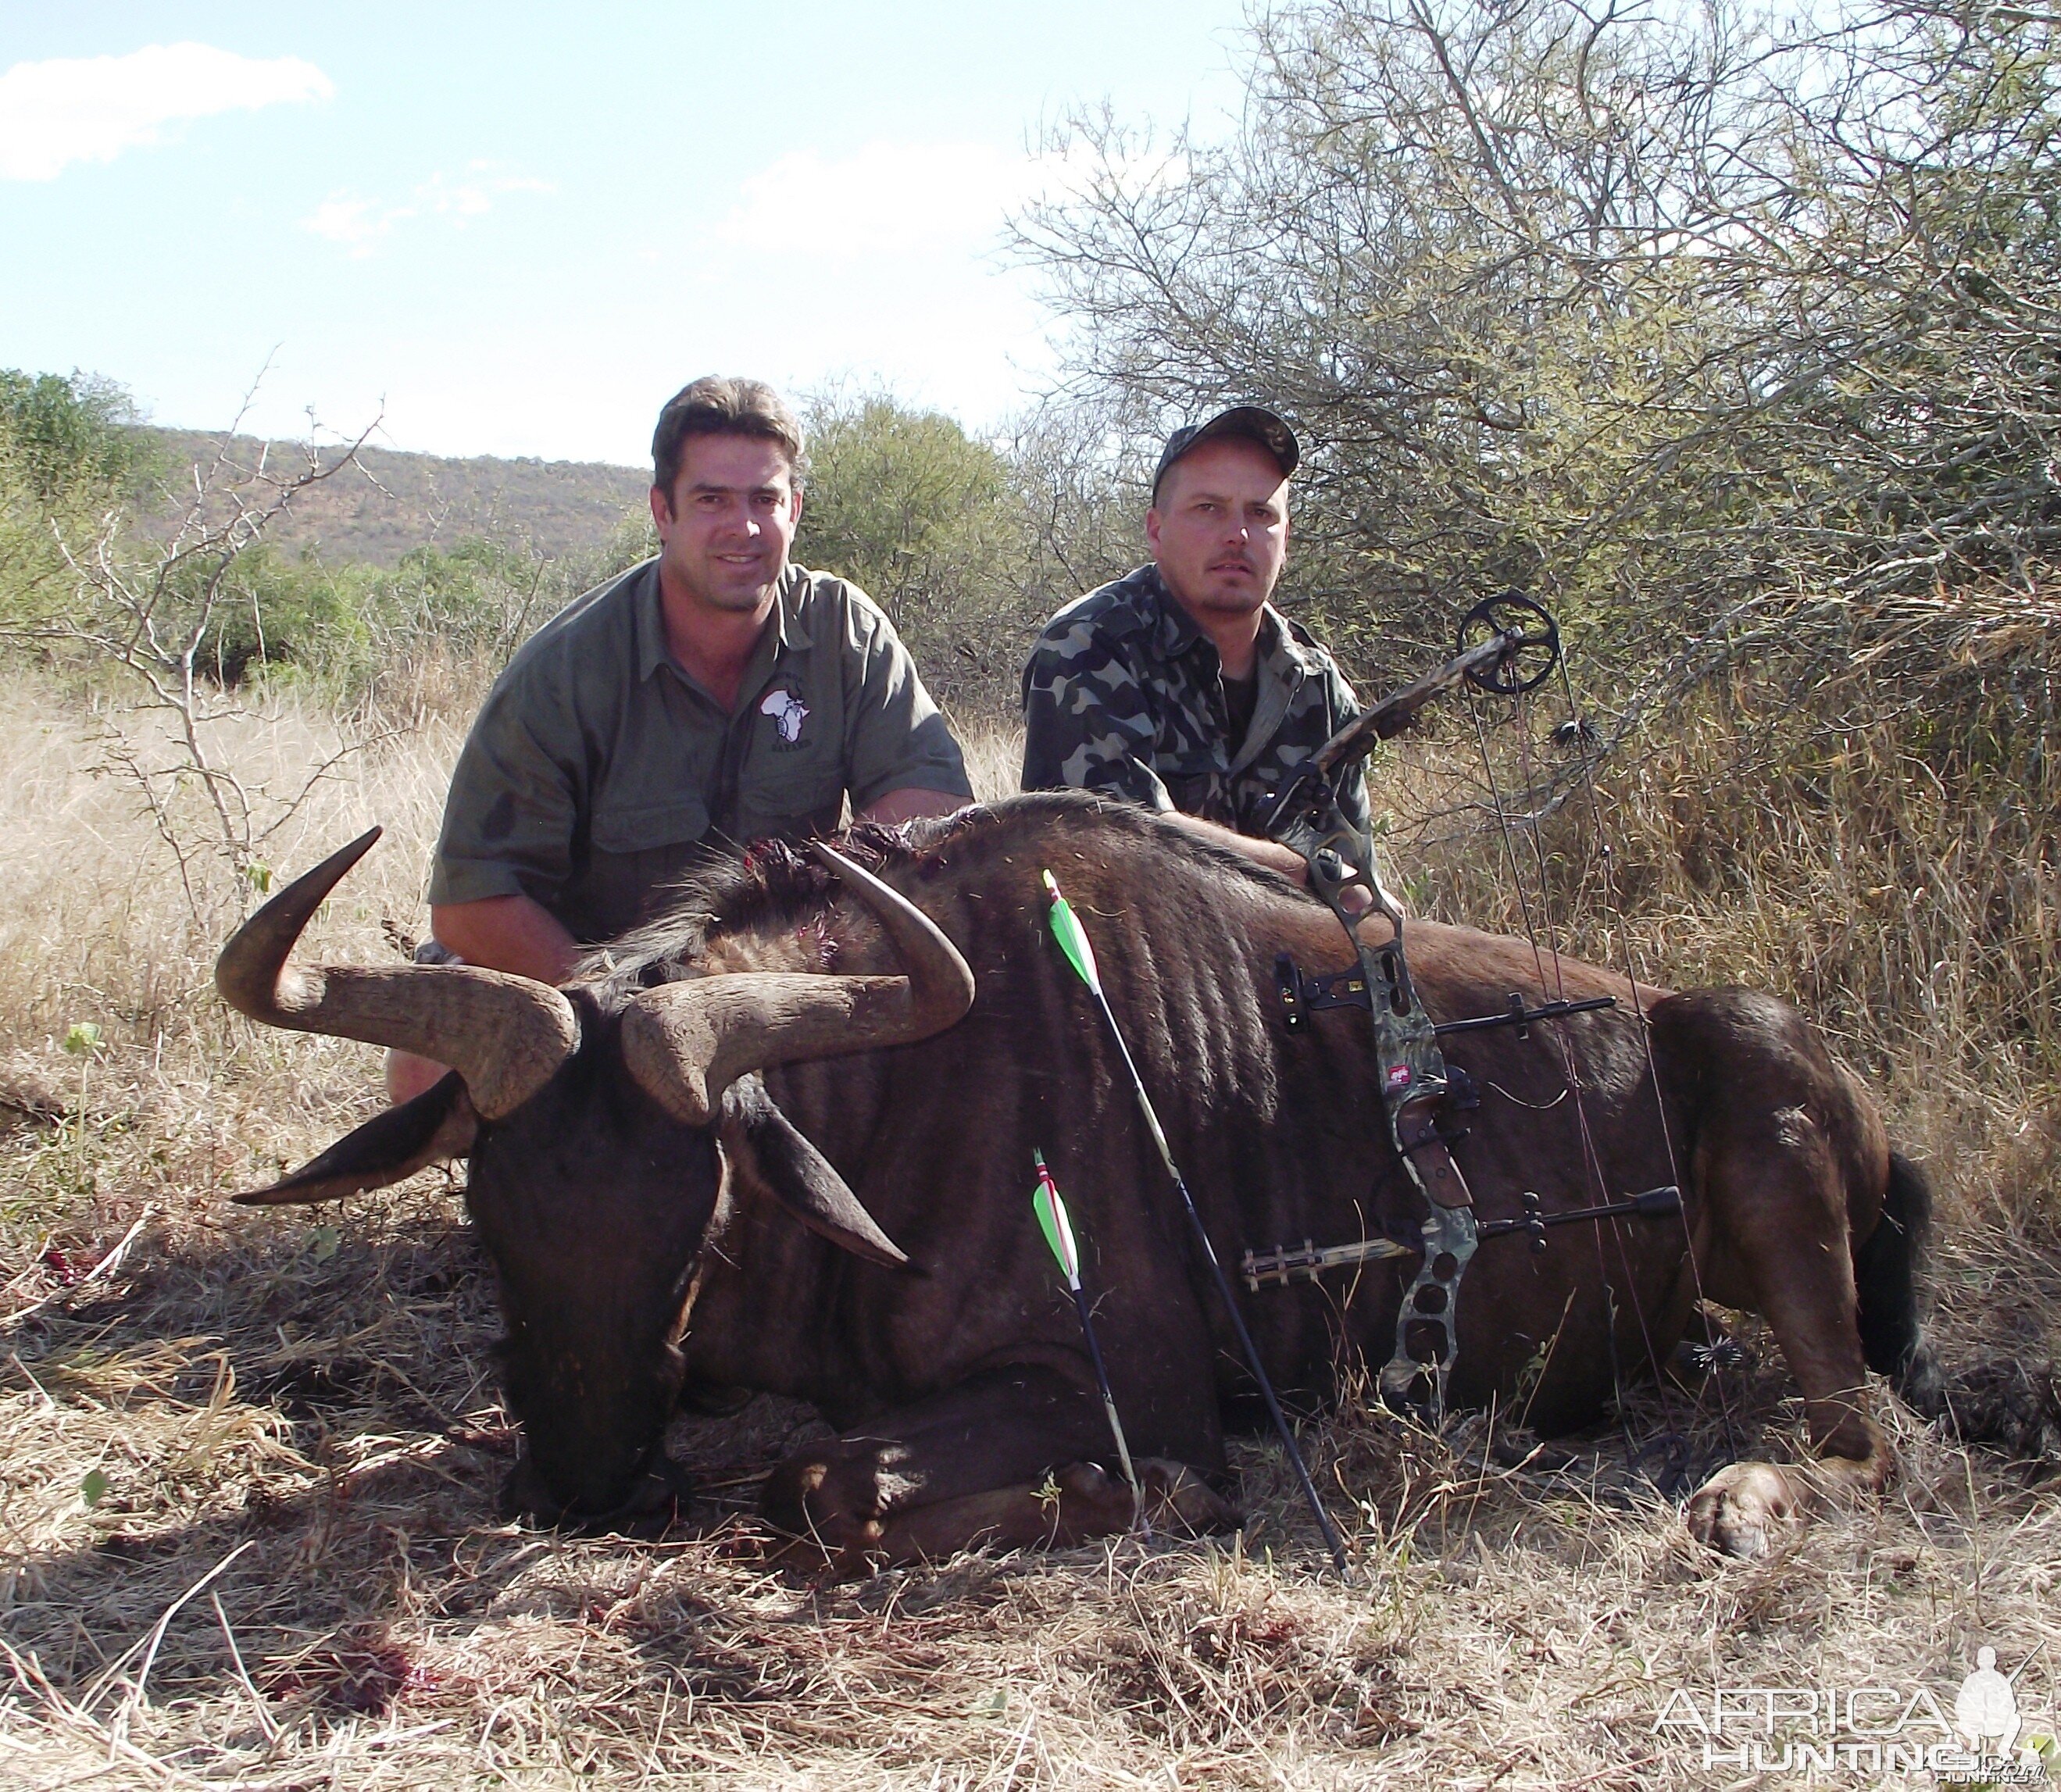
1507, 645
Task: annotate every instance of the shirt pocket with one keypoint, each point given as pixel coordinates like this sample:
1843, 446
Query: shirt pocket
639, 853
790, 799
636, 827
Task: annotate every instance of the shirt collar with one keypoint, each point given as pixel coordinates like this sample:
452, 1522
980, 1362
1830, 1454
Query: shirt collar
795, 624
792, 627
1279, 648
1176, 631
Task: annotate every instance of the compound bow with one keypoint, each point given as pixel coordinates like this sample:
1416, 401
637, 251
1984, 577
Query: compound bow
1508, 645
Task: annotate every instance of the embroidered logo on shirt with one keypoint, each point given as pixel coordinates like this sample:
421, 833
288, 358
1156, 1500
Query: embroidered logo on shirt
788, 712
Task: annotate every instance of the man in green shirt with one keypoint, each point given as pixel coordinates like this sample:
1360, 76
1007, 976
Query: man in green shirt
708, 698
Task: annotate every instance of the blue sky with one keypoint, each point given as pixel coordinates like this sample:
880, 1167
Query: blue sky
515, 229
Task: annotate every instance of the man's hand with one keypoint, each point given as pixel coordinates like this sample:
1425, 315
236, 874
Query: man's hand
501, 932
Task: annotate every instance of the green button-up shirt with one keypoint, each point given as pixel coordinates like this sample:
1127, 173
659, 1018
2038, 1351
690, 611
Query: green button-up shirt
599, 772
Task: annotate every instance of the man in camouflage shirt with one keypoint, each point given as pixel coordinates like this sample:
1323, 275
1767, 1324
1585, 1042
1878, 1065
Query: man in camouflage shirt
1179, 687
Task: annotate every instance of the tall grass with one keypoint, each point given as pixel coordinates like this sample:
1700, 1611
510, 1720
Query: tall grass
1884, 850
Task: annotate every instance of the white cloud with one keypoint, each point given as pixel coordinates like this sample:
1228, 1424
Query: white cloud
91, 109
343, 217
358, 223
892, 198
920, 295
885, 198
473, 194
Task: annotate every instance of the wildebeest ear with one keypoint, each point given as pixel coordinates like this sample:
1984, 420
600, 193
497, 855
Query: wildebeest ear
770, 1152
438, 1123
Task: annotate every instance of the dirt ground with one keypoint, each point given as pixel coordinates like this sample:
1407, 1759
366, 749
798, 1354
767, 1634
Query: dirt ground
248, 1461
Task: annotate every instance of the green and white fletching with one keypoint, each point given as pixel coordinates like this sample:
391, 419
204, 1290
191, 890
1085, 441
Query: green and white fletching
1072, 940
1052, 1221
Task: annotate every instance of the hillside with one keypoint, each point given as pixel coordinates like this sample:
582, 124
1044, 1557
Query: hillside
390, 502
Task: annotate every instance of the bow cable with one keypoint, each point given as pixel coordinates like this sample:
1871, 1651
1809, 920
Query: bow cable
1504, 826
1645, 1036
1591, 1157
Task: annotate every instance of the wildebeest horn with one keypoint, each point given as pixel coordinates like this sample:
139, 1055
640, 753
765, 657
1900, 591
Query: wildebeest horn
687, 1042
505, 1035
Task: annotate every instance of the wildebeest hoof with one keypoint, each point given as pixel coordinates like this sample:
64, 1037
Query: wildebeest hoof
1179, 1499
1740, 1510
652, 1500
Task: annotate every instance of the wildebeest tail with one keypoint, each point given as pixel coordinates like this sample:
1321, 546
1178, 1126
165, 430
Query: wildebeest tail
1886, 1266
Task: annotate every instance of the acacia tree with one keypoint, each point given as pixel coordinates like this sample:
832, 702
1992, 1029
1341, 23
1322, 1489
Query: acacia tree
67, 457
152, 619
1681, 318
1080, 473
930, 522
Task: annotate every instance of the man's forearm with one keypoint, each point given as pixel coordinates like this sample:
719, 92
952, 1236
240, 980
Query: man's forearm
1275, 856
1270, 853
507, 933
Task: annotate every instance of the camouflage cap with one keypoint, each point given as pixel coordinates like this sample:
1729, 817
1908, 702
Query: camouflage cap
1254, 423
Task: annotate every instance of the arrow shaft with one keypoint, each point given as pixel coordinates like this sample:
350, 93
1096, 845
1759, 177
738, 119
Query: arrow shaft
1332, 1541
1109, 1403
1050, 1206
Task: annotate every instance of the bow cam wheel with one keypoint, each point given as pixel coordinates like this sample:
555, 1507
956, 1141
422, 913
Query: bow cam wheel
1532, 653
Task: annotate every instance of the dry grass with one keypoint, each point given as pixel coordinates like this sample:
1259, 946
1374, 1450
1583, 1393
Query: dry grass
299, 1405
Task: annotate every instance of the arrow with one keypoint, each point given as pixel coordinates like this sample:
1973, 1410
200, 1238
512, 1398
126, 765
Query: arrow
1073, 940
1052, 1221
1072, 937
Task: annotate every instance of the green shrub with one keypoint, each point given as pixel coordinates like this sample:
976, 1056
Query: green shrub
69, 441
931, 524
67, 458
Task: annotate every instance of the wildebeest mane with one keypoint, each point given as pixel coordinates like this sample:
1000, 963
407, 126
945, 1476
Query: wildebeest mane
775, 885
